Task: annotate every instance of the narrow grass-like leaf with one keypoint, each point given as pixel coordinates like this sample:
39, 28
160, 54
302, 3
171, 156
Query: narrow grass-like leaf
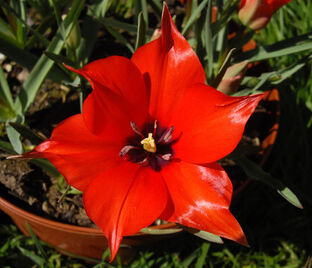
14, 136
225, 64
120, 38
201, 261
255, 172
208, 41
7, 147
6, 100
195, 14
90, 28
160, 231
123, 26
28, 60
43, 66
21, 27
59, 59
203, 234
286, 47
37, 242
47, 166
141, 37
7, 33
225, 16
145, 12
22, 21
35, 258
27, 133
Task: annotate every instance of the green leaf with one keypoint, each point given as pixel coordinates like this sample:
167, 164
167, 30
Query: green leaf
6, 100
90, 28
46, 165
14, 136
203, 255
35, 258
7, 33
7, 147
141, 37
120, 38
43, 66
286, 47
28, 60
195, 14
203, 234
153, 231
27, 133
123, 26
208, 41
255, 172
37, 243
225, 64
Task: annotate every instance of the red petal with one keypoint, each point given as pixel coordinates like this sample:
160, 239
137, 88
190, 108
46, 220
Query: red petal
209, 124
125, 199
168, 64
277, 4
77, 153
200, 198
118, 92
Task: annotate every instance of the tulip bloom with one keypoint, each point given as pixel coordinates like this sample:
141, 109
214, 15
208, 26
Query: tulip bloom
146, 143
257, 13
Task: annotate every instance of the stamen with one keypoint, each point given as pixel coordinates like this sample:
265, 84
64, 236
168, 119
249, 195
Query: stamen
166, 136
149, 143
166, 157
155, 127
125, 150
135, 129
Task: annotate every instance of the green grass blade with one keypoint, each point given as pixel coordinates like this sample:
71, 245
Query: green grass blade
286, 47
255, 172
37, 243
43, 66
5, 91
27, 133
195, 14
90, 28
141, 37
120, 38
160, 231
208, 41
203, 255
35, 258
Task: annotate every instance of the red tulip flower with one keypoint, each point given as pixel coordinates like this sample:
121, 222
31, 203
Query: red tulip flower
147, 142
257, 13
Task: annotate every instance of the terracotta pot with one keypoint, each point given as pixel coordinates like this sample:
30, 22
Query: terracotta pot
90, 242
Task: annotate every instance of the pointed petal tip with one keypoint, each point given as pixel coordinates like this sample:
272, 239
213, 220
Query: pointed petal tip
114, 243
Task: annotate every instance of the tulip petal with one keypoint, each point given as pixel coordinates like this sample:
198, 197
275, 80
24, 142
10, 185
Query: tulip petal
125, 199
200, 199
209, 124
77, 153
118, 92
168, 65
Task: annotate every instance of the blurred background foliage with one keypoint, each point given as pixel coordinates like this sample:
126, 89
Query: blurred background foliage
38, 36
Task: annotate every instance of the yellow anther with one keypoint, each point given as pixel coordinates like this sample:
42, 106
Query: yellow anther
149, 143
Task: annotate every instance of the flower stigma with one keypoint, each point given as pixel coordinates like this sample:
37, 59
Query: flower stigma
149, 143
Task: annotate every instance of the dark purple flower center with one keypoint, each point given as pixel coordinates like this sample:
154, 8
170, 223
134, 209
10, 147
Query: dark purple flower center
149, 147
